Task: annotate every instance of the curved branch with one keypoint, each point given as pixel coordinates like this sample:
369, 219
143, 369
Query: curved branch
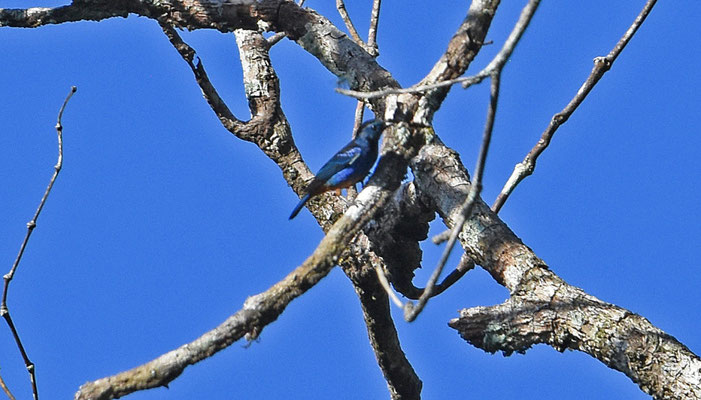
535, 289
338, 53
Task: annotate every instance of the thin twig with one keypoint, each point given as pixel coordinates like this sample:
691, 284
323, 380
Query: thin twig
358, 118
6, 389
497, 62
4, 310
413, 89
465, 264
371, 48
372, 32
341, 7
601, 65
385, 285
273, 40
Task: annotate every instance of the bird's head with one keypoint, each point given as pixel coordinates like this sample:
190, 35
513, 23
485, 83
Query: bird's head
371, 130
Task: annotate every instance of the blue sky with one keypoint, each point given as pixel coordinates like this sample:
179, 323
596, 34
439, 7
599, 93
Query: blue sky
162, 223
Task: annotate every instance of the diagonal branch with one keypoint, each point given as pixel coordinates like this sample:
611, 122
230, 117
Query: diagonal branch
494, 70
372, 32
488, 241
210, 94
262, 309
314, 33
5, 389
257, 312
601, 66
4, 310
497, 63
402, 381
341, 7
262, 91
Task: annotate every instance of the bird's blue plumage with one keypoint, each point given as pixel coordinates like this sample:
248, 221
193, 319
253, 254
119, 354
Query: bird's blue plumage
350, 165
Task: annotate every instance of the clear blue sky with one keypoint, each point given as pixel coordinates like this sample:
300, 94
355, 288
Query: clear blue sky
162, 223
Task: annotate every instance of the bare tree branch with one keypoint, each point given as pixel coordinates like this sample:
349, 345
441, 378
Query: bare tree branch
601, 66
411, 311
460, 52
280, 35
6, 389
4, 310
314, 33
402, 381
262, 309
441, 184
547, 310
497, 63
488, 241
257, 312
262, 90
341, 7
227, 118
372, 32
495, 67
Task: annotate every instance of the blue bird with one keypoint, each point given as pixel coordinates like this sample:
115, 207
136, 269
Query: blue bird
350, 165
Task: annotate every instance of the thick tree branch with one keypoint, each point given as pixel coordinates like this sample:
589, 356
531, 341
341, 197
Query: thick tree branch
441, 180
310, 30
262, 90
548, 310
488, 241
264, 308
269, 130
402, 381
257, 312
495, 68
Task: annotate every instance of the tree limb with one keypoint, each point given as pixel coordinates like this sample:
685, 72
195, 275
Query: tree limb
548, 310
7, 278
601, 65
535, 289
402, 381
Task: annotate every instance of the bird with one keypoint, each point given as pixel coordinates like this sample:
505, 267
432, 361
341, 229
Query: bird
347, 167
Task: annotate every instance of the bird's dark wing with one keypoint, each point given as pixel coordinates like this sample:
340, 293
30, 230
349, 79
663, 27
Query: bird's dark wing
344, 158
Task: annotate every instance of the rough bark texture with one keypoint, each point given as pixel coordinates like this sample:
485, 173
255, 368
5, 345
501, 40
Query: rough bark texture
383, 226
547, 310
542, 307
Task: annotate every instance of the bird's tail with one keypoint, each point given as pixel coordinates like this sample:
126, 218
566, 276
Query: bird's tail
299, 205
